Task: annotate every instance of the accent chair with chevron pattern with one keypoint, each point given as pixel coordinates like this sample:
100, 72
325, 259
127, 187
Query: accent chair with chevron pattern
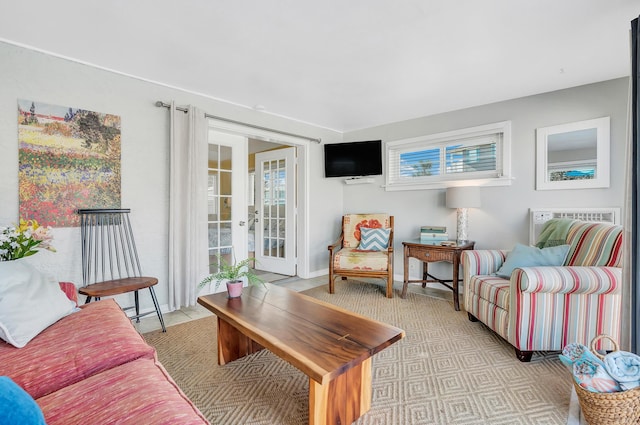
544, 308
364, 249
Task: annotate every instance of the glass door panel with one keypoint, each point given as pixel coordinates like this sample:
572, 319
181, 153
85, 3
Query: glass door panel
227, 170
276, 235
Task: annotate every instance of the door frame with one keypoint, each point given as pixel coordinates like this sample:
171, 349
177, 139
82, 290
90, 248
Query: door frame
302, 181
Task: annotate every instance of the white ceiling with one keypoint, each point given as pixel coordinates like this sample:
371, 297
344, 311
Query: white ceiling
340, 64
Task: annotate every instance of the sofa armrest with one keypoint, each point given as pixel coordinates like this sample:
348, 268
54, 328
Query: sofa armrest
568, 280
70, 291
482, 261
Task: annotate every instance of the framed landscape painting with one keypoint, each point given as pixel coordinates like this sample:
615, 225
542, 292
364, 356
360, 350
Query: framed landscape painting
69, 158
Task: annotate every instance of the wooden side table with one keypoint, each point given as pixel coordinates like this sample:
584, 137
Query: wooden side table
430, 253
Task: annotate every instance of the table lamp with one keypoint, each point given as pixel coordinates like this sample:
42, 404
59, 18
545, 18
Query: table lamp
462, 198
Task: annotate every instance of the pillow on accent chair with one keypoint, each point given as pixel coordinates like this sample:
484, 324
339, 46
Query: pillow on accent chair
374, 239
30, 301
17, 406
531, 256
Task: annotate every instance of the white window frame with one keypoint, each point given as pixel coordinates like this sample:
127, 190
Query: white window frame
213, 193
251, 194
499, 177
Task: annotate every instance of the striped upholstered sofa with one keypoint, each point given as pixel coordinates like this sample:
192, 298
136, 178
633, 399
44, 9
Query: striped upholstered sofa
545, 308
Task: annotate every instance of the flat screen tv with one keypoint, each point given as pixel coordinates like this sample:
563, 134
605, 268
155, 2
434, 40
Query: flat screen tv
353, 159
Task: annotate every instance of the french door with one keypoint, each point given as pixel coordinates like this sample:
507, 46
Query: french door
226, 199
275, 237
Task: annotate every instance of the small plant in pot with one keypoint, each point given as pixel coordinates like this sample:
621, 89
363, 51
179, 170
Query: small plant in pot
233, 274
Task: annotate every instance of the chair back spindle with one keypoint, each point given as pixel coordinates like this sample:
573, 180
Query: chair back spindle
108, 246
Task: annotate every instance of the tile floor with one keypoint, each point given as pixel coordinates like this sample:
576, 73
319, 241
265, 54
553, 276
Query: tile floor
151, 323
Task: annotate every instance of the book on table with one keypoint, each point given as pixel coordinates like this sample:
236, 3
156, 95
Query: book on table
434, 239
448, 243
433, 229
434, 236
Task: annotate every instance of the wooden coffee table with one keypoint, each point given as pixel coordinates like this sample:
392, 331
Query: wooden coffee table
332, 346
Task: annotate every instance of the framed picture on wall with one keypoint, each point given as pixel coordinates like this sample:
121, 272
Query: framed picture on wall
68, 158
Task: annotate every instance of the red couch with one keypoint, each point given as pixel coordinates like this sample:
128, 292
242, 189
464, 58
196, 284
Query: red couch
93, 367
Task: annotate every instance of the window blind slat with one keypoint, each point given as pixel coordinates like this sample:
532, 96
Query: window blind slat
460, 158
478, 154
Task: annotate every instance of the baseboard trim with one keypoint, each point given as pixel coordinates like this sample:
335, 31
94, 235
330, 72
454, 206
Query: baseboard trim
318, 273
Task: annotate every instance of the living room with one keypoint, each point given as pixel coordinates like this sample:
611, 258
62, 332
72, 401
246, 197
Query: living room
33, 70
145, 175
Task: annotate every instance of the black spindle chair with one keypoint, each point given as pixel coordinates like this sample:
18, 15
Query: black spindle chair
110, 264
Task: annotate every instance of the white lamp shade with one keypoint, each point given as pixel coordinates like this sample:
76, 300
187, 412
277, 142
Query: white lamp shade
463, 197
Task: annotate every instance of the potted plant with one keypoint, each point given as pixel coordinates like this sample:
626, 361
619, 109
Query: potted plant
233, 274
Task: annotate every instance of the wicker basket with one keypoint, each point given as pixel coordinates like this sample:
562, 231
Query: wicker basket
620, 408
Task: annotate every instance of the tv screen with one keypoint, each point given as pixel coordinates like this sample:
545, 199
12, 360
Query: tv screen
353, 159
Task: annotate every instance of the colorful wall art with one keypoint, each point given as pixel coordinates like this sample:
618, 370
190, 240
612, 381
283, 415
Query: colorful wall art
69, 158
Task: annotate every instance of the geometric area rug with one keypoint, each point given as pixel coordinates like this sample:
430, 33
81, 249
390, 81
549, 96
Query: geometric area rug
447, 370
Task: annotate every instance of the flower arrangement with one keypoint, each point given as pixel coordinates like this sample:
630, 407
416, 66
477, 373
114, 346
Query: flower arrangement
24, 240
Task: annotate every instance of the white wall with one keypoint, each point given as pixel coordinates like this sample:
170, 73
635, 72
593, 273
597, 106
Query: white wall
35, 76
503, 219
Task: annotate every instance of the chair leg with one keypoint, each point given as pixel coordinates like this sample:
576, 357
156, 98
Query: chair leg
390, 278
155, 303
331, 276
472, 318
524, 356
137, 304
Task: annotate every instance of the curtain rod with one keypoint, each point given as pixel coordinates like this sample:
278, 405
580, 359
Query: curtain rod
160, 103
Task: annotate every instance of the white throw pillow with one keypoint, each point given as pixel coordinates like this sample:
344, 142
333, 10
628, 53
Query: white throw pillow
30, 301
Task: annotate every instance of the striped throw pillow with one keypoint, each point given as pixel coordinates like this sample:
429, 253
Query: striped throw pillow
373, 239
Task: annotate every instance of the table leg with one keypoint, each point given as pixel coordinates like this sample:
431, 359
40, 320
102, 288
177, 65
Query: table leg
232, 344
343, 399
456, 297
425, 273
406, 273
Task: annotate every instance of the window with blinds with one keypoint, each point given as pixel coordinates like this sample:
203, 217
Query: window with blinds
472, 154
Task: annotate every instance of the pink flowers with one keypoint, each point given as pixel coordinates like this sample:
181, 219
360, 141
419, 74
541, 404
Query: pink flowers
42, 234
24, 240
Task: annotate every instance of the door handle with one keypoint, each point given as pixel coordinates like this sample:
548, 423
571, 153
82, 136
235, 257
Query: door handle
242, 223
